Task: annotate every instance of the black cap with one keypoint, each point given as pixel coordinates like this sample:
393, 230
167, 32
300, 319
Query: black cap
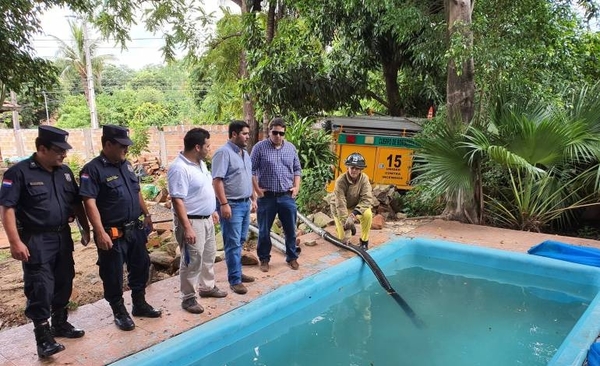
117, 133
55, 136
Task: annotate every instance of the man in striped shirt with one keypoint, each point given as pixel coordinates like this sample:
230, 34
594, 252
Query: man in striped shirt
276, 175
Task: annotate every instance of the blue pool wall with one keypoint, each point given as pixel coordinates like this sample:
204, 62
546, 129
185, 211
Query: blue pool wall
199, 342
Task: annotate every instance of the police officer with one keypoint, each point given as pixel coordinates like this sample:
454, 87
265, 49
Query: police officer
113, 201
38, 199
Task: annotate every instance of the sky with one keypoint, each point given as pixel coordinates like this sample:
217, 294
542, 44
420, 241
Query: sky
144, 48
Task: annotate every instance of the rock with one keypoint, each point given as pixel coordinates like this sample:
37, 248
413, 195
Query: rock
153, 241
161, 258
322, 220
401, 216
378, 222
310, 243
249, 259
303, 228
162, 227
220, 256
166, 236
171, 247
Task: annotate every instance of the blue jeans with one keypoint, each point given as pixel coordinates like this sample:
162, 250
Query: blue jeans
285, 208
235, 231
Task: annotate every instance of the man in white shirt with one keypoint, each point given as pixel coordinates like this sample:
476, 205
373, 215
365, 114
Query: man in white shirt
194, 206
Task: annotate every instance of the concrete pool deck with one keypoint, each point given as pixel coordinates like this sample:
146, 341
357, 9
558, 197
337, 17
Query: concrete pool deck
104, 343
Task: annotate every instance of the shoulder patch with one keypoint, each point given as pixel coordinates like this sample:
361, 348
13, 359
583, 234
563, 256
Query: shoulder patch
7, 183
85, 176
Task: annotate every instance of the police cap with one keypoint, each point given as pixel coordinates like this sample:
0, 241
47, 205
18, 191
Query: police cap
54, 136
117, 133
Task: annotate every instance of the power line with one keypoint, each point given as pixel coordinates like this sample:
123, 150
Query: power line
104, 40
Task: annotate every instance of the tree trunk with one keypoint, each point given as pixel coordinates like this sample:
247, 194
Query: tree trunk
390, 75
460, 93
460, 86
248, 103
86, 90
269, 35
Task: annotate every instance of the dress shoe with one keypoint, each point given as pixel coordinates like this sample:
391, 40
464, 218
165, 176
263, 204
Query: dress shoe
247, 279
294, 264
264, 266
239, 289
215, 292
191, 306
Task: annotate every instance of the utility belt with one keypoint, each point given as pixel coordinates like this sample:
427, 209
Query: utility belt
43, 229
116, 232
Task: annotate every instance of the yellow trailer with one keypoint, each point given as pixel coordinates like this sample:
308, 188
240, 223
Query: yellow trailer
386, 143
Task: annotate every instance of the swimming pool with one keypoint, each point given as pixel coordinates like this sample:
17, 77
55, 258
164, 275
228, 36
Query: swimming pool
244, 335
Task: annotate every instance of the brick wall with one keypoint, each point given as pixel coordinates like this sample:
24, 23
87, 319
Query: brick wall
86, 142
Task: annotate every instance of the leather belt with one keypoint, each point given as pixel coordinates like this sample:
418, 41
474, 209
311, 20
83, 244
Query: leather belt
198, 217
277, 194
239, 200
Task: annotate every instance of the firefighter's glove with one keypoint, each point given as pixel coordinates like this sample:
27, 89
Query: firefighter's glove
349, 224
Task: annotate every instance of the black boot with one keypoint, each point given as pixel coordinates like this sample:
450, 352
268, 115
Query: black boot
46, 345
364, 244
62, 328
142, 308
122, 318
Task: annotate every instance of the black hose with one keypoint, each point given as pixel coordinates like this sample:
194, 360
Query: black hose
383, 281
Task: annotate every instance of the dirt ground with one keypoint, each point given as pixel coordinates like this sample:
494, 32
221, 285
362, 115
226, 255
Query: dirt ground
87, 286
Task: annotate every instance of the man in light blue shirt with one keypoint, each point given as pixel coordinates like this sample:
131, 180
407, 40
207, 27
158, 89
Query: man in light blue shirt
232, 181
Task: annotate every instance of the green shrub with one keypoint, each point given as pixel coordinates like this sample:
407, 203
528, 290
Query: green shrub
421, 201
316, 158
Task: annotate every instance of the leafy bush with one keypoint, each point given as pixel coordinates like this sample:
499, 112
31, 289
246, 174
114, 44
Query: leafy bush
74, 113
422, 201
75, 162
316, 158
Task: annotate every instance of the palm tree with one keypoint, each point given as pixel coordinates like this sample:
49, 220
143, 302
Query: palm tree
546, 158
72, 55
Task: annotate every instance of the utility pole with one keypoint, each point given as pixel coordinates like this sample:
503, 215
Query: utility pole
15, 112
90, 76
46, 105
16, 124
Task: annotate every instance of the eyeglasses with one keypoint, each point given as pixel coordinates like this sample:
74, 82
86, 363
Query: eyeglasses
58, 150
280, 133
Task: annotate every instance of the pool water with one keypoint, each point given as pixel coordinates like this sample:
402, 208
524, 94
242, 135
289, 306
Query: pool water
468, 322
480, 307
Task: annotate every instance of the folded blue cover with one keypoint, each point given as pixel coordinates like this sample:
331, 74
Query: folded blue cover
593, 358
567, 252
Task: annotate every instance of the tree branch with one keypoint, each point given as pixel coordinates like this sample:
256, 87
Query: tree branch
217, 42
371, 94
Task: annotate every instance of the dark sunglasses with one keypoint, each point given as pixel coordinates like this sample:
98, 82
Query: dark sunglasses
58, 150
280, 133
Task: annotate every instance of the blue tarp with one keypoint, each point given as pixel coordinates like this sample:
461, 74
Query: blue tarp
575, 254
567, 252
594, 355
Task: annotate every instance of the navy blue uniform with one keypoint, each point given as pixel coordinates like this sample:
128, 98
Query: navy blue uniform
116, 188
43, 202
